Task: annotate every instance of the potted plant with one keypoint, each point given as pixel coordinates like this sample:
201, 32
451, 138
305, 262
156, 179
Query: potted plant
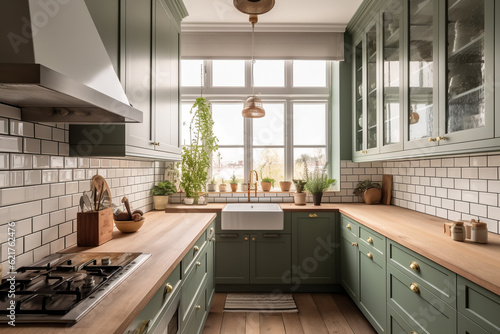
161, 192
370, 191
267, 183
285, 185
234, 183
300, 196
222, 186
211, 187
317, 182
197, 156
244, 186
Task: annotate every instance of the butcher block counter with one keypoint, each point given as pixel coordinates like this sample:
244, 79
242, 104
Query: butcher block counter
422, 233
168, 238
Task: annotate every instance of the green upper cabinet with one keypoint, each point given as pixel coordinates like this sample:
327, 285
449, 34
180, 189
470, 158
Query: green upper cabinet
359, 105
142, 39
372, 82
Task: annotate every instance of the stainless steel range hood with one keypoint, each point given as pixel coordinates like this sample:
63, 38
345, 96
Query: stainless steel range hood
54, 66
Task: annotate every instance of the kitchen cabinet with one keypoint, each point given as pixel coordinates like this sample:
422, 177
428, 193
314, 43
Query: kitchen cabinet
148, 36
313, 253
349, 271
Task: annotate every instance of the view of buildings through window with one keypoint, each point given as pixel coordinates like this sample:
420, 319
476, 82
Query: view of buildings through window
296, 100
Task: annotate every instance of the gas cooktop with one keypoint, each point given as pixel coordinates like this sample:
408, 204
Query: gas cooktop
62, 288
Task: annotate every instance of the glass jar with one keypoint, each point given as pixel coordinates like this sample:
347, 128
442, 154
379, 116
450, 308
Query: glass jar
479, 232
458, 231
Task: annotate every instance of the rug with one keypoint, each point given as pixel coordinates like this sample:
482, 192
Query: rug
259, 302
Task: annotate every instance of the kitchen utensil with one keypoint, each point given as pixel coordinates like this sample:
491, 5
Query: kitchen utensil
129, 226
87, 200
386, 189
82, 204
127, 206
106, 200
98, 186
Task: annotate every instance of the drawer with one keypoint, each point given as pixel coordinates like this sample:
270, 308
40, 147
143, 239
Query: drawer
196, 314
370, 255
467, 326
349, 226
397, 324
193, 282
189, 258
373, 240
439, 280
479, 305
419, 307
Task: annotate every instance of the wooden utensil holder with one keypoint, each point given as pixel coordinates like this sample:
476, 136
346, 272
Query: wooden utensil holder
94, 228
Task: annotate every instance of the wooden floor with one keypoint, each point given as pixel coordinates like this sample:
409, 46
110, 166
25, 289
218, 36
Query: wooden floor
319, 313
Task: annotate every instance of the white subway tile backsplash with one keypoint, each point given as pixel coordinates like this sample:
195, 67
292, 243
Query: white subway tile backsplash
32, 241
65, 175
470, 173
488, 198
56, 162
19, 128
58, 135
41, 161
462, 184
32, 145
494, 161
32, 177
50, 234
478, 210
4, 179
50, 176
470, 196
21, 211
18, 195
21, 161
43, 132
57, 217
490, 173
478, 161
57, 189
50, 205
41, 222
63, 149
50, 147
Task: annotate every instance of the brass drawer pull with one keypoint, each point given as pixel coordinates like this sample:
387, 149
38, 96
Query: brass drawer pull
370, 255
196, 248
414, 265
370, 240
414, 287
198, 307
253, 238
168, 288
413, 332
348, 226
198, 263
144, 327
245, 238
355, 244
313, 215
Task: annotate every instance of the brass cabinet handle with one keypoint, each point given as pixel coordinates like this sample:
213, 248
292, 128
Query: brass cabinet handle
355, 244
198, 307
432, 139
198, 263
196, 248
245, 238
414, 265
144, 327
413, 332
313, 215
253, 238
364, 152
155, 143
168, 288
370, 240
414, 287
211, 229
440, 138
348, 226
370, 255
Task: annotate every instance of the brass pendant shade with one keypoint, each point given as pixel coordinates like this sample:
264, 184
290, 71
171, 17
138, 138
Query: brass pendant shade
253, 108
253, 7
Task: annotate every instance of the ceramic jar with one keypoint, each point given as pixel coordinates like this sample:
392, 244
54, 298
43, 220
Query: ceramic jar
458, 231
479, 232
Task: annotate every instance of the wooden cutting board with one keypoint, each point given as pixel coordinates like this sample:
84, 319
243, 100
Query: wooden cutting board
386, 189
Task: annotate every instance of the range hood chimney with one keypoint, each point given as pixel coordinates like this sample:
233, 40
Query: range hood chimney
54, 66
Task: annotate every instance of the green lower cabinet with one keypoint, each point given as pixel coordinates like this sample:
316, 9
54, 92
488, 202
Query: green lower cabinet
314, 245
232, 253
349, 272
210, 265
270, 258
372, 287
196, 314
397, 325
467, 326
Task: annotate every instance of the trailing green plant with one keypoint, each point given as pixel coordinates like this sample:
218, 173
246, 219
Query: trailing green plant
197, 156
212, 181
233, 179
268, 179
165, 188
317, 180
299, 185
363, 186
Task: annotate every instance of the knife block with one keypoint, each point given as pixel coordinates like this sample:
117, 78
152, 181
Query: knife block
94, 228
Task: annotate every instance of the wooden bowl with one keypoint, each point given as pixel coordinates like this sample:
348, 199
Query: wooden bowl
129, 226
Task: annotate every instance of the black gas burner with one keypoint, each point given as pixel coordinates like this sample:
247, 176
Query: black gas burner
64, 287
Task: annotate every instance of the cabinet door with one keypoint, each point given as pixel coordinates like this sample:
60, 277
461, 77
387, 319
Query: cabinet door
421, 71
210, 266
232, 254
372, 81
136, 53
467, 326
313, 248
467, 110
392, 77
359, 98
270, 258
349, 264
372, 287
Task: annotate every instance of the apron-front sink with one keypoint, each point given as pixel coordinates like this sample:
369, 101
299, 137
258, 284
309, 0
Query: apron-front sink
252, 216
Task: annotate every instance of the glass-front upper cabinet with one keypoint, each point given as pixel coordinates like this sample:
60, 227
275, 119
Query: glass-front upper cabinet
359, 88
392, 78
467, 111
422, 79
372, 96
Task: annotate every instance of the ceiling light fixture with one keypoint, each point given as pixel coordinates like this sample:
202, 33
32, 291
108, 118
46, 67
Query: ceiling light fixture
253, 107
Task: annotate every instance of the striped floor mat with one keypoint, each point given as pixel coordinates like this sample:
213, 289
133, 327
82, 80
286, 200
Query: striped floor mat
259, 302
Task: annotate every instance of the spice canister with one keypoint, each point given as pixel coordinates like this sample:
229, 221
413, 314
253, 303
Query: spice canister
479, 232
458, 231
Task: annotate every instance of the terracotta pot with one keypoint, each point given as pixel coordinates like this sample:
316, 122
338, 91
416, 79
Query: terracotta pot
372, 196
211, 187
317, 199
222, 187
160, 202
234, 187
285, 186
266, 186
299, 198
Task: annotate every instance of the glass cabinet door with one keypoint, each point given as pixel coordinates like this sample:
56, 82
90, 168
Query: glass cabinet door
392, 76
372, 88
422, 121
468, 88
359, 88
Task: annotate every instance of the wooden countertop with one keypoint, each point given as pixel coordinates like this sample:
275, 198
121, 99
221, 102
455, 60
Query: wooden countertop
422, 233
168, 237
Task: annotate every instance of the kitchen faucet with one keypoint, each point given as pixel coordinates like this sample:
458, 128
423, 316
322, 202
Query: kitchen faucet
250, 183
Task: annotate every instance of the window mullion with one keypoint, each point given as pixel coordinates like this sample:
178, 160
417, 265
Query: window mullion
288, 140
248, 140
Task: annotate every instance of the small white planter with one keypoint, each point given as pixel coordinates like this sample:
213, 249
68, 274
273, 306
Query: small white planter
160, 202
211, 187
188, 200
244, 186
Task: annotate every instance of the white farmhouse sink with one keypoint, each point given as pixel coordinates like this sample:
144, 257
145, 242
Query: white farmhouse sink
252, 216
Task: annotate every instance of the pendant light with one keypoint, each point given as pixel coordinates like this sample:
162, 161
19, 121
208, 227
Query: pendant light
253, 7
253, 105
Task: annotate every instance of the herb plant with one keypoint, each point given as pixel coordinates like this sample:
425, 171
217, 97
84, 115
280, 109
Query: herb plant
165, 188
233, 179
317, 180
363, 186
299, 185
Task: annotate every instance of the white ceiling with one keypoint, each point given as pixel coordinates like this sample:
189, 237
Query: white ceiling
327, 15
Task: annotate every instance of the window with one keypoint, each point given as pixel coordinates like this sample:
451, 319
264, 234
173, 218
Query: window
296, 96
